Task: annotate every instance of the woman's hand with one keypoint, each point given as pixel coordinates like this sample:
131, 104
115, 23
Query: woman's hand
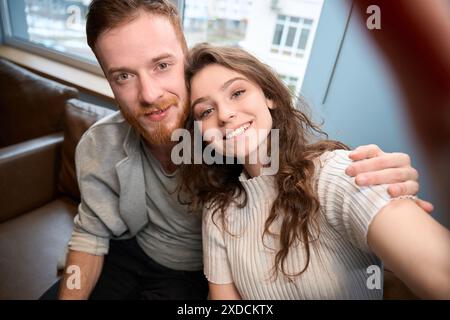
372, 166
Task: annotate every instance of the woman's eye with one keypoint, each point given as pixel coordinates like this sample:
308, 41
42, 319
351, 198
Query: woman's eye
237, 94
205, 113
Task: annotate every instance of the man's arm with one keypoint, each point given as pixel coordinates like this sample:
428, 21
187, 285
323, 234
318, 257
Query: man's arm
372, 166
414, 246
88, 267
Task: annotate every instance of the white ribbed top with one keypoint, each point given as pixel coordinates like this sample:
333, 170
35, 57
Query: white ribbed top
339, 259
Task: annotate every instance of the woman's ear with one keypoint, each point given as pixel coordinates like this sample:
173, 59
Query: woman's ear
269, 103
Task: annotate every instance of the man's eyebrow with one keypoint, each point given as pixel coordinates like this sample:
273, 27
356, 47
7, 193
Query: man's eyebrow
153, 61
162, 57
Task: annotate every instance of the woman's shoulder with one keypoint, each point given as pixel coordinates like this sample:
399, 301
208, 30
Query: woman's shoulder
334, 159
335, 189
345, 205
331, 165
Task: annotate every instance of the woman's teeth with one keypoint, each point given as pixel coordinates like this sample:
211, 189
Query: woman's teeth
237, 131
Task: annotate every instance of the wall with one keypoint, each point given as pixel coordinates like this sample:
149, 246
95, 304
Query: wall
353, 90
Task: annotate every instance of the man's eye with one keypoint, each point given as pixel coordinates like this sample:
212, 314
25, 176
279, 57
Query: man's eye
237, 94
163, 66
123, 77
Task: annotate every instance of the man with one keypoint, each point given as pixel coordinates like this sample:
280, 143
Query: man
132, 239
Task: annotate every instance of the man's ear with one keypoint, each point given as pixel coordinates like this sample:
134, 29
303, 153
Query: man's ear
269, 103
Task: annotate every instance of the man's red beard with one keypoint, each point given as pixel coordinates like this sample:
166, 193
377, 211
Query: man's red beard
160, 134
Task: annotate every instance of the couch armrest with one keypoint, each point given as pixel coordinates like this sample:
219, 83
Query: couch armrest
28, 174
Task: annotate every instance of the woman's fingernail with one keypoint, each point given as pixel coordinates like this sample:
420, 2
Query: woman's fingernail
350, 171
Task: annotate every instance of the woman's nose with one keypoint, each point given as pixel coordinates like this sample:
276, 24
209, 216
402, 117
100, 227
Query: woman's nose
225, 114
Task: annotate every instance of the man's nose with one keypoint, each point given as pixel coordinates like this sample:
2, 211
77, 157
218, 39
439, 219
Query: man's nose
150, 91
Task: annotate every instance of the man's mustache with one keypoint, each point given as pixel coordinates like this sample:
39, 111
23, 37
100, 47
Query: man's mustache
161, 105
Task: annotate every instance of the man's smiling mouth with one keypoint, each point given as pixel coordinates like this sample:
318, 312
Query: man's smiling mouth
158, 111
157, 115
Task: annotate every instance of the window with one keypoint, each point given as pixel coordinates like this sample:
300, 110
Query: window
291, 82
57, 26
291, 35
279, 32
222, 22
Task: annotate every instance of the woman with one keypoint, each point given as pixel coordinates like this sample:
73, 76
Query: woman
306, 231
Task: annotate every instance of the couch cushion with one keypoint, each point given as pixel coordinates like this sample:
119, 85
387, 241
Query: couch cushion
28, 174
78, 118
30, 247
30, 105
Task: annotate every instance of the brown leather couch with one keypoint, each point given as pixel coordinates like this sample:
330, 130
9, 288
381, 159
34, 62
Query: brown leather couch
40, 125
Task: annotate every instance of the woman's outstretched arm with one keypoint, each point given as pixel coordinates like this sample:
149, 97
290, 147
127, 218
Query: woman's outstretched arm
223, 292
414, 246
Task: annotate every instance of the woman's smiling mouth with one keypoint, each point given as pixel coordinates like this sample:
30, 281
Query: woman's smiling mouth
236, 132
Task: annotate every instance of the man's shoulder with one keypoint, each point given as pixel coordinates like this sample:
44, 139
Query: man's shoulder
114, 123
105, 139
111, 130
